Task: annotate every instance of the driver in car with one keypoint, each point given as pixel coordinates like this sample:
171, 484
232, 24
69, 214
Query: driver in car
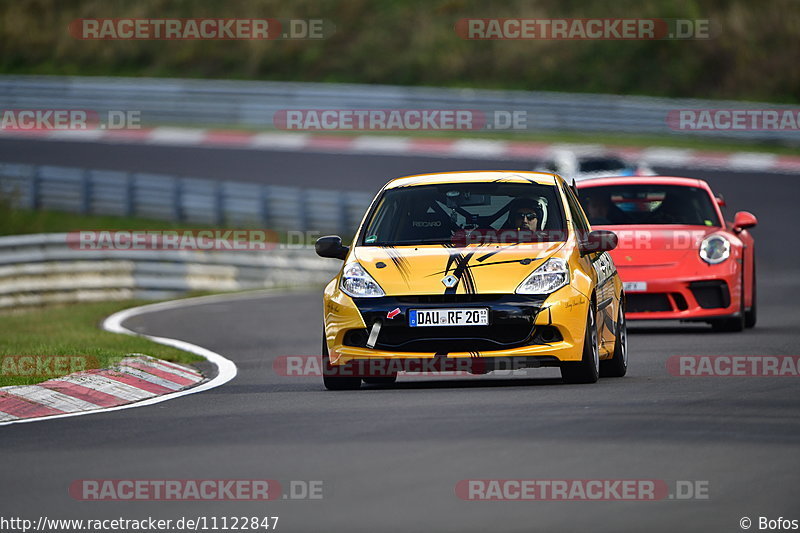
597, 209
525, 218
524, 214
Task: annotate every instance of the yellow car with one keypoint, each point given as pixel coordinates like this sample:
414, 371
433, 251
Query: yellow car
473, 271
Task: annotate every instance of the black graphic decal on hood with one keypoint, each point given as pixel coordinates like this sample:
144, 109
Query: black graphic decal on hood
524, 261
400, 262
461, 272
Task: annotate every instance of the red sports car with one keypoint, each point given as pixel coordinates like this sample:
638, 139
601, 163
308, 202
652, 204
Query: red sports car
677, 256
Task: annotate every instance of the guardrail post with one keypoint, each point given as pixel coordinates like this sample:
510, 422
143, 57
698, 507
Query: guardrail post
264, 206
219, 203
177, 200
344, 213
130, 192
302, 209
86, 192
36, 179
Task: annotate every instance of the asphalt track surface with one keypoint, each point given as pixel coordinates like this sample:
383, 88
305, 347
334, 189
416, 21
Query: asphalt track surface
390, 458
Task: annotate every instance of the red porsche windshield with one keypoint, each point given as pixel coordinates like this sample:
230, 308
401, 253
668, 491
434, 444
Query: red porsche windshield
648, 204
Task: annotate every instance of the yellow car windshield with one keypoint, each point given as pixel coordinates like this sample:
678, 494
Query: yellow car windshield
454, 213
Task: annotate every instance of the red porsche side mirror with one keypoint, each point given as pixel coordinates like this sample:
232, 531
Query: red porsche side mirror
744, 220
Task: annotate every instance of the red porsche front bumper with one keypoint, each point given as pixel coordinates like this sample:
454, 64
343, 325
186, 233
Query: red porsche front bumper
654, 293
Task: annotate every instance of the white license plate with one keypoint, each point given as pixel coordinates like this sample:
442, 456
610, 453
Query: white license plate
448, 317
635, 286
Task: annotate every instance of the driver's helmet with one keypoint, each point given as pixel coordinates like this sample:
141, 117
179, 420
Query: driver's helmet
538, 206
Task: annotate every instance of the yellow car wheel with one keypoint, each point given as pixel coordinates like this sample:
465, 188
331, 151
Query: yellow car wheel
587, 370
617, 366
329, 377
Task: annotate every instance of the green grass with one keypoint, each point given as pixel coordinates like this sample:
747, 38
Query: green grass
25, 221
74, 331
751, 55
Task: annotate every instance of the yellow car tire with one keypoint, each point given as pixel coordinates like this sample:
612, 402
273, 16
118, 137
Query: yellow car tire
587, 370
331, 381
617, 366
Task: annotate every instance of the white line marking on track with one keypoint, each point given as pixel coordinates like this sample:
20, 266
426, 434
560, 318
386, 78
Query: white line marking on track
391, 145
177, 136
478, 148
752, 160
84, 135
667, 156
278, 140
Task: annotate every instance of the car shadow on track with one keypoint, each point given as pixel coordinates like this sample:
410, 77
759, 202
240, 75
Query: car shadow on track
700, 329
467, 383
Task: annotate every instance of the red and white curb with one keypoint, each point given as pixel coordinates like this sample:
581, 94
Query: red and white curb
136, 381
134, 378
411, 146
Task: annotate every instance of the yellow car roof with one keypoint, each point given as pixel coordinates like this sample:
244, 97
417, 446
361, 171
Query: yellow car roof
508, 176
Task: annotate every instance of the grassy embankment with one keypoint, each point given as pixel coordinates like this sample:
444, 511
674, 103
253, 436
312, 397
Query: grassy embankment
70, 330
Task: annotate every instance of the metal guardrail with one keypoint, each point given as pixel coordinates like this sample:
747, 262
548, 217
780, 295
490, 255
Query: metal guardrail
253, 103
42, 268
182, 199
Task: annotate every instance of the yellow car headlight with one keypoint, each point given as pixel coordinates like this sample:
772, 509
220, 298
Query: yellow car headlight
549, 277
358, 283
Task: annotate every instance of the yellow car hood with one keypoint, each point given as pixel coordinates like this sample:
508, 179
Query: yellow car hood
479, 269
